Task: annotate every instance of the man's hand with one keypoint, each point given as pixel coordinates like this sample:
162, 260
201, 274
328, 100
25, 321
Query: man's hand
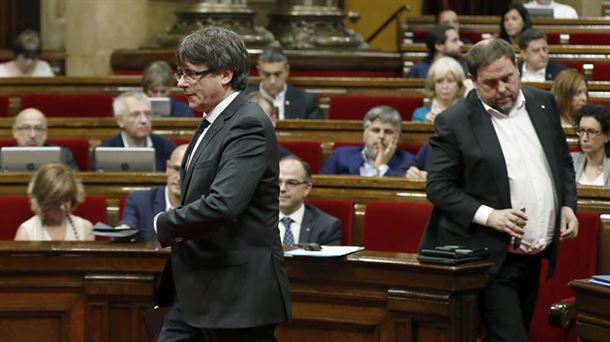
568, 226
385, 154
415, 174
510, 221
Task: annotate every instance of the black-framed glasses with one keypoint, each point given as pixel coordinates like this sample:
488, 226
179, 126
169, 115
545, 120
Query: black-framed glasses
291, 183
592, 133
192, 76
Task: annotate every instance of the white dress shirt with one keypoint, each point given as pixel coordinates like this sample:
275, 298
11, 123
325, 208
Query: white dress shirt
295, 226
536, 76
529, 176
279, 100
148, 140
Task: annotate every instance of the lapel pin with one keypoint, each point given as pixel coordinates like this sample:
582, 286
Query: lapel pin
287, 103
543, 106
308, 229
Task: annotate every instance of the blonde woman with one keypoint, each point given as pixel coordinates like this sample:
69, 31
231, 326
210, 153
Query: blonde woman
54, 192
444, 86
571, 93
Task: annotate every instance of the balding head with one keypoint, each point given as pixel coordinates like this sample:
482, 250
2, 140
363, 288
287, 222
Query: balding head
173, 172
30, 128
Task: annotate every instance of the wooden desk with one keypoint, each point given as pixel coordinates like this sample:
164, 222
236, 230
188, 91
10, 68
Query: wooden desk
97, 292
593, 311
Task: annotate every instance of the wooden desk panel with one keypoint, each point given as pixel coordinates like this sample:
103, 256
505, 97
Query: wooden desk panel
593, 311
96, 291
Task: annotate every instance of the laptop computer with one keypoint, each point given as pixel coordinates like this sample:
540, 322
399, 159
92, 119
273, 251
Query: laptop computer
121, 159
541, 12
28, 159
160, 106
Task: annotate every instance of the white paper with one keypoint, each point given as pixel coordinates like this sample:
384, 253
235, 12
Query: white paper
325, 252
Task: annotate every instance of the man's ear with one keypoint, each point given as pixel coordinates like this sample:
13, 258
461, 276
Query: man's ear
226, 75
119, 121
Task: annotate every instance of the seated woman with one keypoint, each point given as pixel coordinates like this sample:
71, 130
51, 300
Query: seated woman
26, 51
571, 93
157, 81
444, 86
514, 20
54, 192
592, 165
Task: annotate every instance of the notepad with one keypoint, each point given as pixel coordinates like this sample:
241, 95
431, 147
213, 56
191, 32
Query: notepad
601, 280
325, 252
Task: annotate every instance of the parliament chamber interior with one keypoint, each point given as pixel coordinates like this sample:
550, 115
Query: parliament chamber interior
103, 290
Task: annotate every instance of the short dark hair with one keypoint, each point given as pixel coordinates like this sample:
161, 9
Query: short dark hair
525, 15
486, 52
217, 48
527, 36
27, 44
437, 35
272, 54
304, 164
600, 113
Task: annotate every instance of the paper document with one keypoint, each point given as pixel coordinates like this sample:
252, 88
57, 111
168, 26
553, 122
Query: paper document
326, 252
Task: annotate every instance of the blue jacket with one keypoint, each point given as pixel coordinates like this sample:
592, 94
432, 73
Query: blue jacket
348, 160
179, 109
140, 208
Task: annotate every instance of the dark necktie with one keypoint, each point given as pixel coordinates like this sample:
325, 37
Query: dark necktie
202, 126
288, 237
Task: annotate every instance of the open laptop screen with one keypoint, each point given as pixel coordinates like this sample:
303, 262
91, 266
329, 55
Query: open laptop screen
28, 159
160, 106
122, 159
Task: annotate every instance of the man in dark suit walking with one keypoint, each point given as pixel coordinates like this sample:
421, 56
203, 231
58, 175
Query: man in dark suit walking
227, 260
142, 205
291, 102
500, 150
300, 222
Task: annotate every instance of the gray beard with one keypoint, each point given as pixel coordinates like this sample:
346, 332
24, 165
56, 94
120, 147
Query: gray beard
370, 154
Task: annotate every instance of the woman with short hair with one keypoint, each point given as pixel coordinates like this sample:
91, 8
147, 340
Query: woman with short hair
26, 62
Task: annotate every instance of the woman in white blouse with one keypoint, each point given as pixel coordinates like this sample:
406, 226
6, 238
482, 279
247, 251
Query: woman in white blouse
592, 165
26, 50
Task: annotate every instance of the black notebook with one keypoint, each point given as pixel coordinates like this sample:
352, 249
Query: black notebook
452, 255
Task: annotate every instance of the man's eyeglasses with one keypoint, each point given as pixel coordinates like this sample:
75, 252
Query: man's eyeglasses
175, 168
291, 183
592, 133
27, 128
192, 76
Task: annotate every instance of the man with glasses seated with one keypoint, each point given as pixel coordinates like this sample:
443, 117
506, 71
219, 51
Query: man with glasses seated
300, 222
141, 206
133, 116
30, 130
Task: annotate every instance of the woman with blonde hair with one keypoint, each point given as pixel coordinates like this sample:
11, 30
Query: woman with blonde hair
444, 86
54, 192
26, 61
571, 93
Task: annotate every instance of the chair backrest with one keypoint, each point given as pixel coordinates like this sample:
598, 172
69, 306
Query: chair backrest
122, 201
355, 107
309, 151
79, 149
4, 106
601, 72
17, 210
393, 226
576, 259
589, 38
93, 209
578, 65
341, 209
69, 105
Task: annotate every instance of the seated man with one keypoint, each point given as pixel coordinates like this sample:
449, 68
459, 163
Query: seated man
301, 222
535, 66
449, 17
30, 130
379, 156
291, 102
133, 116
443, 40
142, 206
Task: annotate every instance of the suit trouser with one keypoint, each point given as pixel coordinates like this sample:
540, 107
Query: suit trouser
507, 303
176, 329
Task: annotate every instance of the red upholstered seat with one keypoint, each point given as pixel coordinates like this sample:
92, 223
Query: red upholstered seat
473, 36
4, 108
93, 209
553, 38
309, 151
79, 149
66, 105
17, 210
589, 38
122, 201
393, 226
601, 72
355, 107
603, 102
576, 259
341, 209
574, 65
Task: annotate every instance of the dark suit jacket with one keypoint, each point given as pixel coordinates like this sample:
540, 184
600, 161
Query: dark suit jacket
227, 258
467, 169
347, 160
163, 150
550, 72
298, 104
140, 209
319, 227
